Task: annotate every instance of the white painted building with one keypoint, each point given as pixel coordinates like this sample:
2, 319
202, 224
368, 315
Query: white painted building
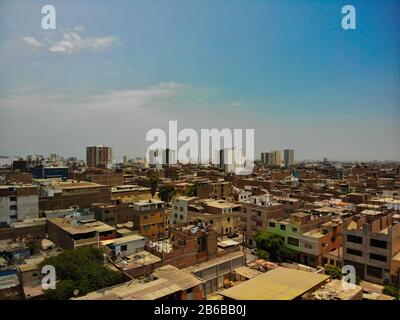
179, 213
18, 202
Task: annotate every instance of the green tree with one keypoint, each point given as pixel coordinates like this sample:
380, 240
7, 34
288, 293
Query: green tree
287, 254
274, 245
269, 242
391, 291
262, 254
333, 271
80, 270
166, 192
154, 178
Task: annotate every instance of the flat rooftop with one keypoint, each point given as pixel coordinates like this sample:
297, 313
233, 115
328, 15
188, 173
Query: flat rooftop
148, 202
169, 280
129, 238
277, 284
221, 204
137, 260
334, 291
71, 184
76, 227
247, 272
214, 262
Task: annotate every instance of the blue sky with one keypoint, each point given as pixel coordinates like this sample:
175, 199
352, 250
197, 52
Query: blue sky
285, 68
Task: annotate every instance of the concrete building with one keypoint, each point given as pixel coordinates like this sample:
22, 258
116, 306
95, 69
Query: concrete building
100, 176
216, 272
70, 234
161, 157
223, 216
231, 160
371, 243
44, 172
125, 246
150, 218
66, 194
291, 229
186, 246
214, 189
272, 158
317, 245
256, 213
179, 213
277, 284
165, 283
288, 156
98, 157
113, 213
18, 202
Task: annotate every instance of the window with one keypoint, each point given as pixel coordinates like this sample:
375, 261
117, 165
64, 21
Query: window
271, 224
13, 207
176, 215
283, 227
229, 219
13, 198
124, 247
181, 209
293, 241
181, 217
308, 246
175, 207
211, 221
377, 257
354, 252
374, 272
378, 243
294, 229
354, 239
145, 217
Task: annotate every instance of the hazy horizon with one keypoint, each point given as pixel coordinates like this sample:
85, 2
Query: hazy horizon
111, 71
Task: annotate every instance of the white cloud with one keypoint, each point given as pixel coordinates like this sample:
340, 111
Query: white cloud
108, 102
32, 42
71, 42
237, 104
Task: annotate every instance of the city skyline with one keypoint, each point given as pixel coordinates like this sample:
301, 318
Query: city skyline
289, 71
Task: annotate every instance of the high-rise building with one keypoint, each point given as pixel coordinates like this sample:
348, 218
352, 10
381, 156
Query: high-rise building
231, 160
272, 158
288, 157
160, 157
98, 156
264, 157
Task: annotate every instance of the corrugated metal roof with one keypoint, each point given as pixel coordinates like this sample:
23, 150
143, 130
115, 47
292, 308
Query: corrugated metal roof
278, 284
